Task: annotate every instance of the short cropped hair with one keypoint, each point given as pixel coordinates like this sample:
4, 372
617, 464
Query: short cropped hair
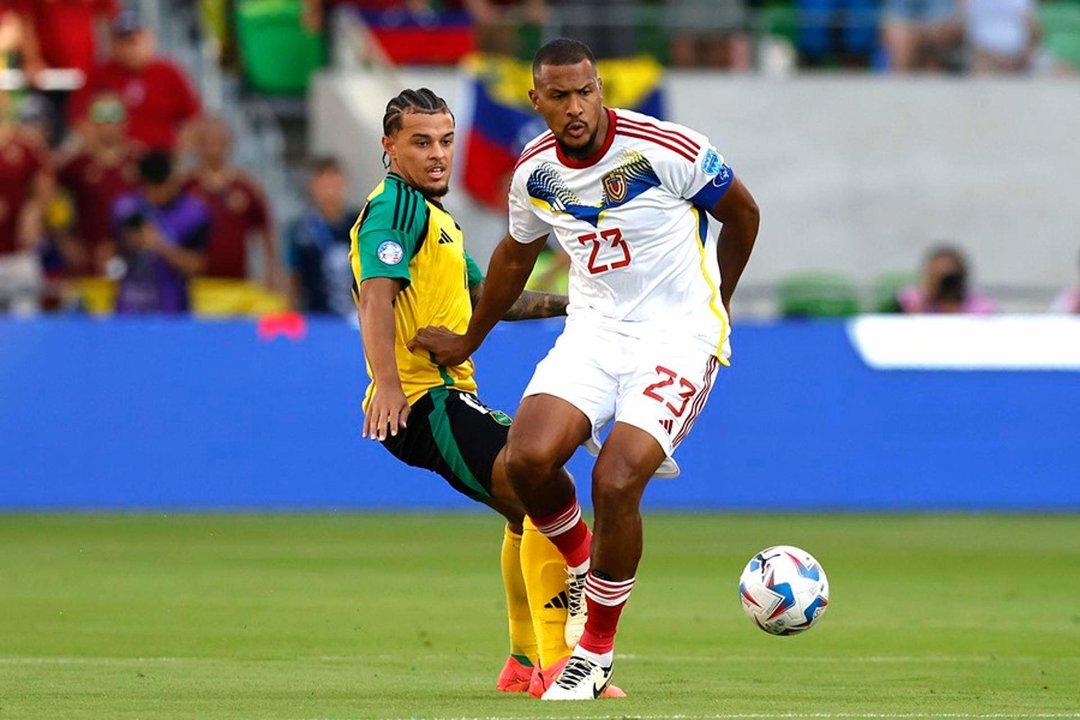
420, 101
562, 51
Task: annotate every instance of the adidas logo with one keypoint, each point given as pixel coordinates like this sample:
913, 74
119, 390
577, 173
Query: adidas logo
667, 424
560, 601
444, 239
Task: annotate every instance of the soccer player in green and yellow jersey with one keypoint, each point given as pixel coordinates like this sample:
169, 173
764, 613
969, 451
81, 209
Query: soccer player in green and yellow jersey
411, 270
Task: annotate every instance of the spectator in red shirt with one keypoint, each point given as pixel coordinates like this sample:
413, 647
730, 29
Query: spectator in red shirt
25, 186
101, 172
62, 32
238, 208
158, 97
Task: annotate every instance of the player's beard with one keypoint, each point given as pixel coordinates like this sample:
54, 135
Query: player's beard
430, 189
583, 152
437, 191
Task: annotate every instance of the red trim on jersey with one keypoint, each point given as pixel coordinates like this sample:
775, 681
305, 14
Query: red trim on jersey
598, 155
539, 141
529, 154
653, 139
673, 135
699, 401
544, 140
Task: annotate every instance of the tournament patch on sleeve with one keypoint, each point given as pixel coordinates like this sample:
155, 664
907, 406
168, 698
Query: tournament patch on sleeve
390, 252
715, 177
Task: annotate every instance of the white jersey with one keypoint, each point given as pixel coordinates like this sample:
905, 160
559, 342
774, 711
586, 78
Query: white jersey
632, 219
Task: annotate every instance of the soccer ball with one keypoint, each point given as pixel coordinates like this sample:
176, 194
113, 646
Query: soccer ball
784, 590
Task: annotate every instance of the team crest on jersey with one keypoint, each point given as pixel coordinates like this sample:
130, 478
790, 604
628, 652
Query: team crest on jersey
615, 186
631, 177
500, 417
390, 253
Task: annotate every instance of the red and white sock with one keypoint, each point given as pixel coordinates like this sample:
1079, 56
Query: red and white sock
606, 600
569, 533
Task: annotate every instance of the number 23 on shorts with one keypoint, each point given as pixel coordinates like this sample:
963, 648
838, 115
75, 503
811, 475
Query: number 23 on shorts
684, 399
671, 389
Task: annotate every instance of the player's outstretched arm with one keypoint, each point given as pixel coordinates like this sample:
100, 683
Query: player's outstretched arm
530, 305
740, 216
510, 266
388, 409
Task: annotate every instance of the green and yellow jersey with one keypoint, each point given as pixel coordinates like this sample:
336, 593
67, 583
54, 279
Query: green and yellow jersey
403, 234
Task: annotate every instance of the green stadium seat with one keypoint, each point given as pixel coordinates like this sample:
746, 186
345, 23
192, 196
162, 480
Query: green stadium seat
278, 54
1061, 27
817, 295
780, 20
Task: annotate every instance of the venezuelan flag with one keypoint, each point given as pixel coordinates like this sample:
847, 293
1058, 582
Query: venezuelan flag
503, 120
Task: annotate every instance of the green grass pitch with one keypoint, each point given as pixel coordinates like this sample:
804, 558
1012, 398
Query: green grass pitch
401, 616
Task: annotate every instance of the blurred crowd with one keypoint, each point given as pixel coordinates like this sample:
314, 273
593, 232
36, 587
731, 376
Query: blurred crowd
118, 193
978, 36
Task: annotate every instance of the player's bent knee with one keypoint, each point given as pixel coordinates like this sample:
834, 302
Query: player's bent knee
529, 461
617, 489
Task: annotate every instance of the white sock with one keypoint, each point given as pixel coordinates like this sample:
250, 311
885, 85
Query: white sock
581, 569
601, 659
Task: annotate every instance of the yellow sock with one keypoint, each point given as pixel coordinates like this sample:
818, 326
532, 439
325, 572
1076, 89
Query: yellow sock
544, 570
522, 639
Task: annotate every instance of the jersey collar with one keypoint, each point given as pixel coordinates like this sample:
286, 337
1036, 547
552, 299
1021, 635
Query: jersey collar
433, 201
595, 157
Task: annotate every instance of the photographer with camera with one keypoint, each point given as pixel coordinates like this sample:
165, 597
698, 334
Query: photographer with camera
945, 287
162, 233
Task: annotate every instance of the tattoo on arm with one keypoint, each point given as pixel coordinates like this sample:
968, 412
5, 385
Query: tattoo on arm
530, 306
533, 305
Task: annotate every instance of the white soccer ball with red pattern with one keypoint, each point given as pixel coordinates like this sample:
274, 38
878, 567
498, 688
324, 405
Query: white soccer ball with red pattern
784, 590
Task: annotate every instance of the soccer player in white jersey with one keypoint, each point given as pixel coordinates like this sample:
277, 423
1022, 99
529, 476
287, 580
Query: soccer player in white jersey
626, 196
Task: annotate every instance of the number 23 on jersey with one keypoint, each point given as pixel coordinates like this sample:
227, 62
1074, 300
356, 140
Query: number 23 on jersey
607, 250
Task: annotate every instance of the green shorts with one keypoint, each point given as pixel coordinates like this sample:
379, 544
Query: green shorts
456, 436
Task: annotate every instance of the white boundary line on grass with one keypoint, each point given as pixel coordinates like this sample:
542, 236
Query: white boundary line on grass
31, 660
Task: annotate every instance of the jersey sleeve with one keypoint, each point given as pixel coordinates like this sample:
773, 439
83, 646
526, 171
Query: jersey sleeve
525, 226
704, 180
388, 233
472, 271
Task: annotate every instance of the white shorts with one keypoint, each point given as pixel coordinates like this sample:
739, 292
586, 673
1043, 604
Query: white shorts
657, 386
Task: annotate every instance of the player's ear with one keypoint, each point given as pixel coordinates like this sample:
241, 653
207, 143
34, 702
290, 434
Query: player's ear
388, 148
534, 97
600, 87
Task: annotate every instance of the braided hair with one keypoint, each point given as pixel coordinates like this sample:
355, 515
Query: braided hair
420, 101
